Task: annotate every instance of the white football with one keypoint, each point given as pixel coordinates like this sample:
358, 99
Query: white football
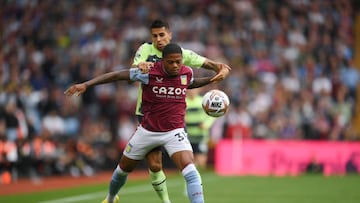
215, 103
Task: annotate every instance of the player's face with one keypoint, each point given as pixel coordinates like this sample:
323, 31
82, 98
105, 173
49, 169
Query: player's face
160, 37
172, 64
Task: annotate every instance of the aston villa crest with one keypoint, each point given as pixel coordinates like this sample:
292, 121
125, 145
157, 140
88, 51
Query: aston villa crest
183, 79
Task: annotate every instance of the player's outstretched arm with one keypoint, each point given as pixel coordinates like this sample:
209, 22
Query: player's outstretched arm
80, 88
199, 82
221, 69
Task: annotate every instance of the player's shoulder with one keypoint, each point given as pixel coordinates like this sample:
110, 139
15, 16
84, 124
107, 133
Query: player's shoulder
186, 69
147, 46
142, 52
189, 53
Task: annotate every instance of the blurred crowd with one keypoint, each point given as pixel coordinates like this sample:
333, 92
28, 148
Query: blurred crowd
293, 74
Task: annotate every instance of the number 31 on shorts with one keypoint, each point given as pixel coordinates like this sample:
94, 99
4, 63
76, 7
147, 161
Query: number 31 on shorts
181, 136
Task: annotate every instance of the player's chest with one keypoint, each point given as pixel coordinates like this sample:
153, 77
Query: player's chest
173, 88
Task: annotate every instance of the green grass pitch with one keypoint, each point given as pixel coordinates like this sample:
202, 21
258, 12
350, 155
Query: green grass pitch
243, 189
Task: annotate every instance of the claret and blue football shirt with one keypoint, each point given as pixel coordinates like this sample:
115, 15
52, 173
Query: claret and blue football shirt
147, 52
163, 97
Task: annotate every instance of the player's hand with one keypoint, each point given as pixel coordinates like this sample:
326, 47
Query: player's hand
222, 73
75, 90
145, 67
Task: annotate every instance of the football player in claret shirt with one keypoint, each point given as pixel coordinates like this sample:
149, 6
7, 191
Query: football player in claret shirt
145, 56
164, 93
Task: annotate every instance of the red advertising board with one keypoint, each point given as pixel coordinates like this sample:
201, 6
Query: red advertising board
263, 157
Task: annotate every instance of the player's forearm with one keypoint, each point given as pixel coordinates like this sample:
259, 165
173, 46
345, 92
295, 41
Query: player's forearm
108, 78
211, 65
222, 70
199, 82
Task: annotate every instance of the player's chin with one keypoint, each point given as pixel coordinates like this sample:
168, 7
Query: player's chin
174, 73
160, 47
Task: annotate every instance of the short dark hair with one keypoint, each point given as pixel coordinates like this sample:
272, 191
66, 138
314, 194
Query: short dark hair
171, 48
159, 24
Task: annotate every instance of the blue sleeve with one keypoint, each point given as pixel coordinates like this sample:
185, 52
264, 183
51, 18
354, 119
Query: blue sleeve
136, 75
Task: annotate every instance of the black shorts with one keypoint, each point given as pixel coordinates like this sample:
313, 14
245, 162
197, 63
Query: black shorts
199, 148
